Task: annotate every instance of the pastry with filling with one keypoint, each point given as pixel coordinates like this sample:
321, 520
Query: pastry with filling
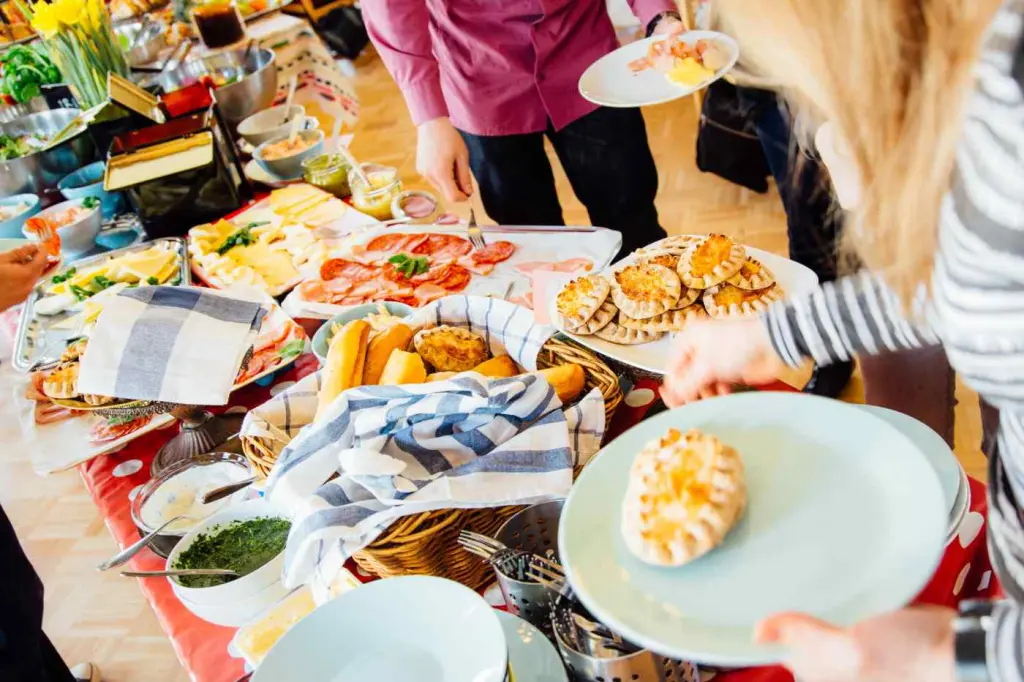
677, 244
580, 299
685, 493
624, 336
726, 300
605, 314
753, 275
712, 261
671, 321
670, 259
450, 349
645, 290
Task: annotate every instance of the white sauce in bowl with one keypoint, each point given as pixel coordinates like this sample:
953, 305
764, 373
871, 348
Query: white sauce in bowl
181, 494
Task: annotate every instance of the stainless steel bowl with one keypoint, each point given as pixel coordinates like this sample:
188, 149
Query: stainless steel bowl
40, 172
8, 114
148, 45
254, 91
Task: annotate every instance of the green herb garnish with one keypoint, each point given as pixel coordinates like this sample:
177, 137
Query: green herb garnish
99, 283
118, 420
240, 237
409, 266
240, 546
152, 281
68, 274
90, 202
292, 349
176, 281
80, 293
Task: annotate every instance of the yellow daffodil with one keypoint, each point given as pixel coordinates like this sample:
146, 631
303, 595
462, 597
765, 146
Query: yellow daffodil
44, 19
69, 12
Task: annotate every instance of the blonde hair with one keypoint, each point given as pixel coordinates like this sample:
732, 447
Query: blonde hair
893, 77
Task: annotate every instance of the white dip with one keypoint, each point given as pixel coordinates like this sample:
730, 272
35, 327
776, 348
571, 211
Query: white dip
180, 495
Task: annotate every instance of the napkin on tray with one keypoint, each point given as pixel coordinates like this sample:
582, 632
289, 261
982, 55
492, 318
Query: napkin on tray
175, 344
400, 450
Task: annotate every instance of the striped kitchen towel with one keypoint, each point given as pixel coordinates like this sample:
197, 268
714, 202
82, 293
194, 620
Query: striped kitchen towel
174, 344
382, 452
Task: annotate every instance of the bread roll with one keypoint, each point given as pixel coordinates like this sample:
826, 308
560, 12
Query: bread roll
500, 367
567, 380
403, 368
393, 338
345, 362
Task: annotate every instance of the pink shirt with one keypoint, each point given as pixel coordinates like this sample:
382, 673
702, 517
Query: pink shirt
495, 67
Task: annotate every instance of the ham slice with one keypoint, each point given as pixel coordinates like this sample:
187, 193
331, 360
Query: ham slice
428, 293
570, 265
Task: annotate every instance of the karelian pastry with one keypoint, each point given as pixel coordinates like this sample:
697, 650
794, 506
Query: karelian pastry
726, 300
580, 299
715, 259
671, 321
604, 315
753, 275
645, 290
623, 336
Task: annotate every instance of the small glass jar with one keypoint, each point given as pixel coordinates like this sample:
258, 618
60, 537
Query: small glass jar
329, 172
375, 200
218, 23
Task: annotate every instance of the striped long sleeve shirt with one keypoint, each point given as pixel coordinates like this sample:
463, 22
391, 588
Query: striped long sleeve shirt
976, 309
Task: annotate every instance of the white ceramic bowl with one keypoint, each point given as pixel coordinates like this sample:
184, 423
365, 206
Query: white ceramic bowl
407, 629
78, 237
244, 587
265, 125
290, 166
239, 612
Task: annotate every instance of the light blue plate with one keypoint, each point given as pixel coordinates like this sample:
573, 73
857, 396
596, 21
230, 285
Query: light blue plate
10, 244
530, 655
406, 629
322, 338
845, 520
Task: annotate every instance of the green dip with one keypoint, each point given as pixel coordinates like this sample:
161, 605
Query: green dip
240, 546
329, 172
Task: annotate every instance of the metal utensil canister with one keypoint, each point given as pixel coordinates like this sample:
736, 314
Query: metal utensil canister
590, 659
534, 529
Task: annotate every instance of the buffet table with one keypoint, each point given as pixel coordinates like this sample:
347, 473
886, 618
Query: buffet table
114, 479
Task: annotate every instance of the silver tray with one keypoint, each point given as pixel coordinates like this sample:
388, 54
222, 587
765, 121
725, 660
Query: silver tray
39, 343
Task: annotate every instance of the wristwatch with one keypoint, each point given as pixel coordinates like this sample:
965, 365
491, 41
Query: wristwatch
970, 631
653, 23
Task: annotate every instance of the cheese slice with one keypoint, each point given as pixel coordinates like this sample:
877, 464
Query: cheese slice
273, 265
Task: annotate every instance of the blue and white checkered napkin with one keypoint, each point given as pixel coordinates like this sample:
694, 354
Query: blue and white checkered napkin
399, 450
174, 344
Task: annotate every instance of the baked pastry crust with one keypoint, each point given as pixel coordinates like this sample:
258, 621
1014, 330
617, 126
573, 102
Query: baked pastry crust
604, 315
685, 493
687, 298
726, 300
753, 275
667, 258
715, 259
450, 349
624, 336
645, 290
670, 321
678, 244
580, 299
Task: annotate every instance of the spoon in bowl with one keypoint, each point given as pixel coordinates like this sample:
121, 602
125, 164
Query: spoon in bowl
179, 572
127, 553
288, 100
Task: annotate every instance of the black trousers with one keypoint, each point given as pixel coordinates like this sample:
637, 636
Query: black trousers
26, 653
607, 159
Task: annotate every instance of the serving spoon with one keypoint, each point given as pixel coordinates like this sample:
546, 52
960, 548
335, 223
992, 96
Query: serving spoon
178, 572
127, 553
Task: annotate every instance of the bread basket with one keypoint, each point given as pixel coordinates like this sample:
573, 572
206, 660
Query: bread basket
425, 543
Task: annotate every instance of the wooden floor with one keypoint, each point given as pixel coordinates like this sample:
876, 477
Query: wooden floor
103, 618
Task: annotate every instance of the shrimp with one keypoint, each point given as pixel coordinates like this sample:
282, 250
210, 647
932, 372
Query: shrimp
46, 234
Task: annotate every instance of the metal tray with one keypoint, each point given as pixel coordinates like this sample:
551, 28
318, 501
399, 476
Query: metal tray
38, 342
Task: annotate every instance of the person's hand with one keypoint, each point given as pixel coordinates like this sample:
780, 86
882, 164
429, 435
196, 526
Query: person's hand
711, 355
668, 26
20, 269
443, 159
911, 644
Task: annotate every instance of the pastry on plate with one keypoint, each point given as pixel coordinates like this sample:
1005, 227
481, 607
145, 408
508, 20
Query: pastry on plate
712, 261
580, 299
605, 314
645, 290
450, 349
687, 298
677, 244
670, 321
616, 333
726, 300
668, 258
753, 275
62, 382
685, 493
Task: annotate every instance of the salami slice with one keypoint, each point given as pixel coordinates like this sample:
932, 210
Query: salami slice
454, 278
396, 242
443, 245
335, 268
494, 252
104, 432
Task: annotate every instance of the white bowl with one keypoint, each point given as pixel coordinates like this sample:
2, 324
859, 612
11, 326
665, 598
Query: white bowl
265, 125
408, 629
78, 237
244, 587
239, 612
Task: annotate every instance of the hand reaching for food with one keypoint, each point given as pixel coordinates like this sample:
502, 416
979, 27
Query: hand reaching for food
712, 355
443, 159
20, 269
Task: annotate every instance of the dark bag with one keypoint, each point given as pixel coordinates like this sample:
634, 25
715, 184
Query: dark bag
727, 142
344, 31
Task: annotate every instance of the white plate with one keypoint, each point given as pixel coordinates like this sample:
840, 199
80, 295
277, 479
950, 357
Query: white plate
610, 82
960, 507
794, 278
407, 629
845, 520
530, 655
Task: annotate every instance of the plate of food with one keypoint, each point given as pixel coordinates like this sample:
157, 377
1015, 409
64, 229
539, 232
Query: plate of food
630, 312
659, 69
690, 528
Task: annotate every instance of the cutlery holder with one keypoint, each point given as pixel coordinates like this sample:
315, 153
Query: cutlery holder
589, 660
534, 529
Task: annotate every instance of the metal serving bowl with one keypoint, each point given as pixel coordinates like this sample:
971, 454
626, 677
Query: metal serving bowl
147, 47
8, 114
40, 172
253, 92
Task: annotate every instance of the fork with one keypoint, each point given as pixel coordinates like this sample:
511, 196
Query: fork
497, 552
476, 236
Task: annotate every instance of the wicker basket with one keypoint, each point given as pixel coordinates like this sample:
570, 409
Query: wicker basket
425, 543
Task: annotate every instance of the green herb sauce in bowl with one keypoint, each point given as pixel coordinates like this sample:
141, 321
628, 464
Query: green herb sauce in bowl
240, 546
